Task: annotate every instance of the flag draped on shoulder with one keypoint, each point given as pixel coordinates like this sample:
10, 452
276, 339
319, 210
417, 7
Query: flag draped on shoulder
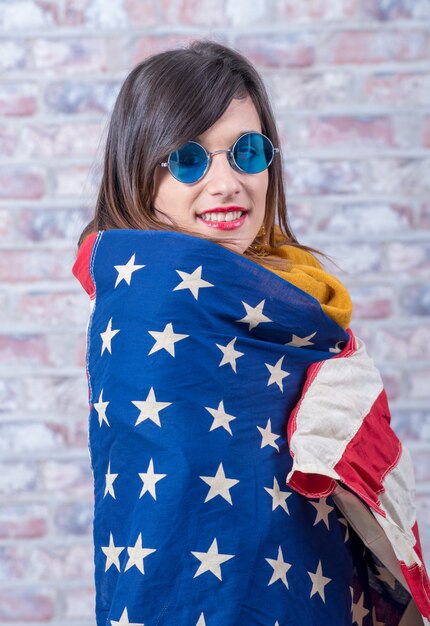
229, 415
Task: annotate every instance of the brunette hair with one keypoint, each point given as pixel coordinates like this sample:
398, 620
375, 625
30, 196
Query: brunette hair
167, 99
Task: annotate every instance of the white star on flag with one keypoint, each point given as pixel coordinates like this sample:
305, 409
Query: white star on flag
149, 480
254, 315
165, 340
277, 374
107, 337
109, 483
301, 342
193, 281
211, 560
201, 621
386, 576
137, 554
125, 271
375, 621
337, 348
319, 582
279, 497
280, 569
112, 553
101, 407
221, 418
359, 612
124, 620
323, 511
150, 408
268, 438
219, 485
229, 354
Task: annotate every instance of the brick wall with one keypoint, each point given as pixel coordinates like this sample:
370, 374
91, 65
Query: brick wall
350, 83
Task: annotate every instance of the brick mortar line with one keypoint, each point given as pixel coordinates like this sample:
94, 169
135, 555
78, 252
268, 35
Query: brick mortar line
268, 27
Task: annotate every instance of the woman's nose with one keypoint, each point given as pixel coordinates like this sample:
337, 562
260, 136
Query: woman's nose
221, 177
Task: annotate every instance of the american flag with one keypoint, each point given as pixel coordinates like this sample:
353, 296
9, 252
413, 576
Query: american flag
196, 358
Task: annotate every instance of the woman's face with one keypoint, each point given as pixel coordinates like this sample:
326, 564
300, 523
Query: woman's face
221, 187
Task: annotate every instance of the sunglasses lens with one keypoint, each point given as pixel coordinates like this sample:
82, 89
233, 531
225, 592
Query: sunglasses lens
253, 153
188, 164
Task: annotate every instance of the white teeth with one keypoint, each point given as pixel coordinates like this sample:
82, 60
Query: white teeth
221, 217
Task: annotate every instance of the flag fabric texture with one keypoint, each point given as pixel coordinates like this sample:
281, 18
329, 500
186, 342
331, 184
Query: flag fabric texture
245, 472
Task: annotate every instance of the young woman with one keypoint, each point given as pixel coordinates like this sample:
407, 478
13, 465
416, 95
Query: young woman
244, 468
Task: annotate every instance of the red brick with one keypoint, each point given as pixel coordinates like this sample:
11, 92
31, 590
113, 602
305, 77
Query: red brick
10, 394
411, 425
65, 349
17, 478
47, 224
141, 13
396, 9
392, 384
420, 458
278, 50
291, 10
426, 133
301, 216
401, 343
23, 521
26, 604
376, 46
193, 12
83, 55
403, 175
77, 139
13, 55
305, 176
56, 308
424, 219
406, 258
35, 264
23, 350
418, 384
415, 299
8, 142
7, 225
21, 183
347, 131
146, 46
87, 14
74, 518
64, 395
18, 99
71, 97
398, 88
359, 259
75, 182
311, 91
28, 14
68, 478
372, 302
47, 562
423, 515
363, 219
79, 602
22, 438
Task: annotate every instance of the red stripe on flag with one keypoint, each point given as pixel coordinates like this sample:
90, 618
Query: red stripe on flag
81, 267
363, 472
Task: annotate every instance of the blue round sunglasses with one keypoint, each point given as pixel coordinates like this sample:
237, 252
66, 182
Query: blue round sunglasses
251, 153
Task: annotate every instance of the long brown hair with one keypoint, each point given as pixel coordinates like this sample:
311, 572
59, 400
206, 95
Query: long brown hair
166, 100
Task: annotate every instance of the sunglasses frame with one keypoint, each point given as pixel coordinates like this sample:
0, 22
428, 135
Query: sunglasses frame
230, 157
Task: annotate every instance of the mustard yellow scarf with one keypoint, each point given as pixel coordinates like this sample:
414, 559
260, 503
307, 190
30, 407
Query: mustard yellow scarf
307, 274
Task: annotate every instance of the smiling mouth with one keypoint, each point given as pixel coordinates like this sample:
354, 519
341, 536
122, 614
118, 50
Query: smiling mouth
227, 220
